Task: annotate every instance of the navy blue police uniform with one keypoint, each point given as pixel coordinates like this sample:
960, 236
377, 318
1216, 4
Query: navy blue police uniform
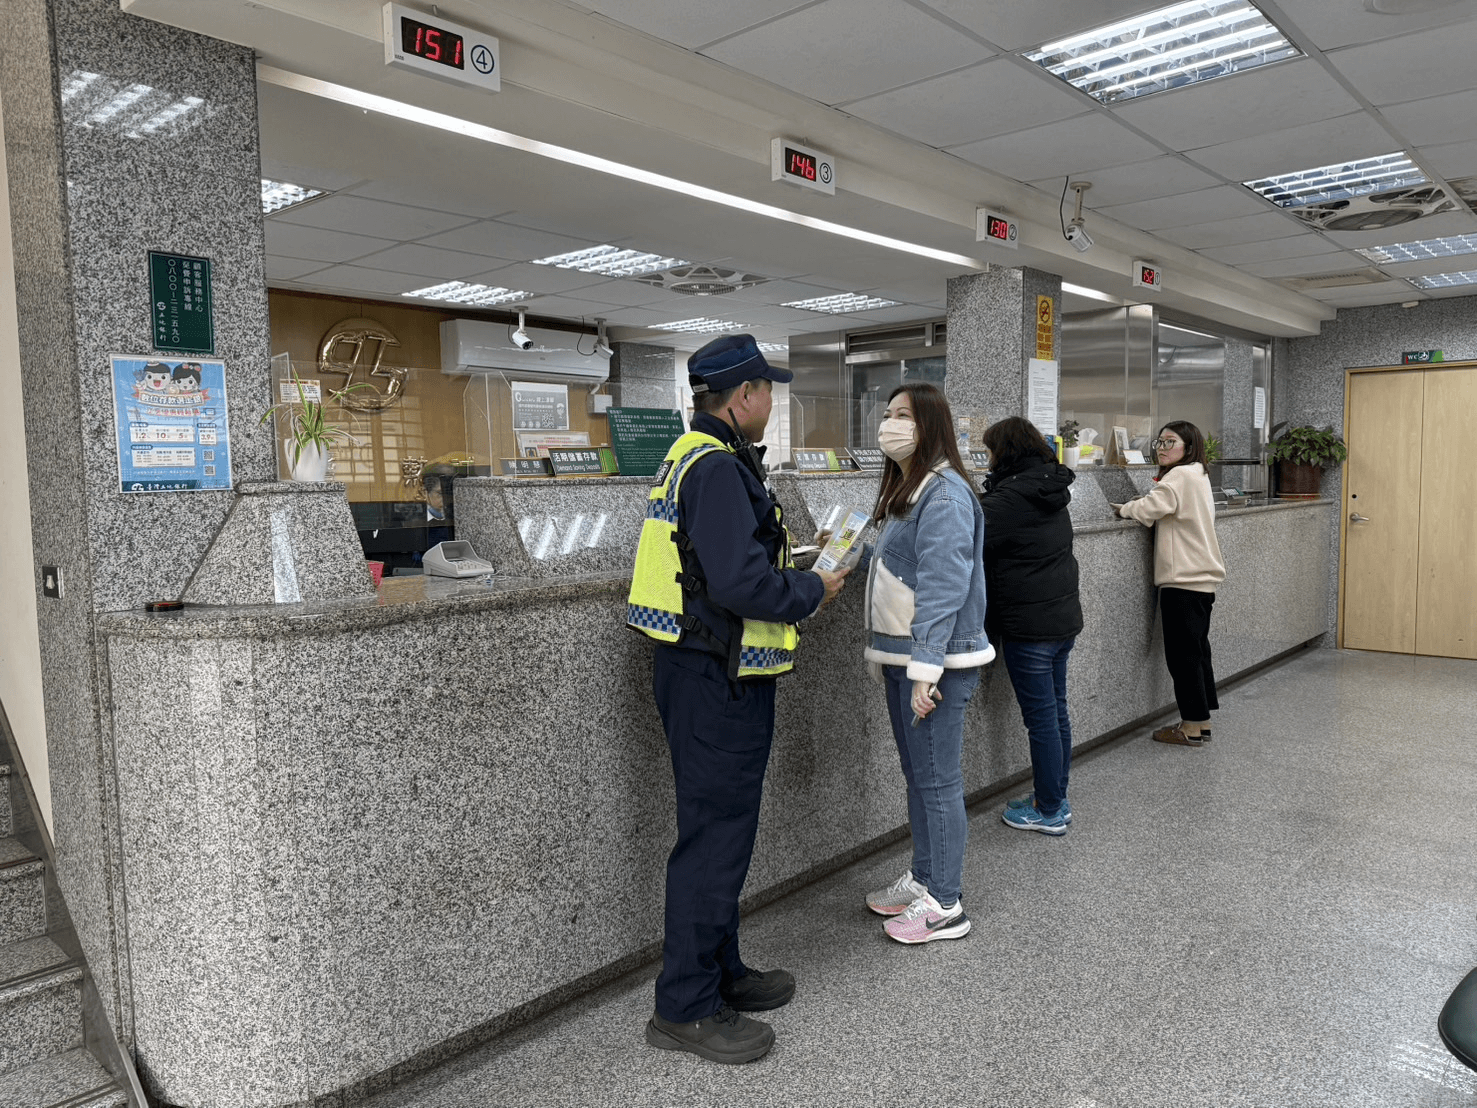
719, 730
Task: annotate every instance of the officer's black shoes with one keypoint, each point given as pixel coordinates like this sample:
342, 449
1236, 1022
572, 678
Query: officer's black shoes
726, 1036
758, 991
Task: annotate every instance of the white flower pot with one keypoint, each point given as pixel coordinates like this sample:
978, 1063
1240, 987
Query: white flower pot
1071, 455
312, 463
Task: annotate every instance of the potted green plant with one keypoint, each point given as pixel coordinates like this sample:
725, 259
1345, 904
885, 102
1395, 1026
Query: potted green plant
1071, 452
308, 435
1212, 450
1302, 454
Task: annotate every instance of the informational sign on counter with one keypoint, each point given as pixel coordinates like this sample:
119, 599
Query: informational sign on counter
868, 457
568, 462
184, 320
526, 467
641, 438
822, 461
540, 407
173, 432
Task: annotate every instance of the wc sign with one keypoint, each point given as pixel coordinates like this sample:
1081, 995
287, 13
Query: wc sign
1147, 275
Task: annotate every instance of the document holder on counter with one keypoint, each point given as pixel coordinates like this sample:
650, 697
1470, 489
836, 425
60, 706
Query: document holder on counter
454, 558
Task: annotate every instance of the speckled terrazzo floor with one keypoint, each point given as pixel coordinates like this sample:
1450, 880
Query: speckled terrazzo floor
1273, 920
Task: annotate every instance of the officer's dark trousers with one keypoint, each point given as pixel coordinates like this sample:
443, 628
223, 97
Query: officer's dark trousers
720, 748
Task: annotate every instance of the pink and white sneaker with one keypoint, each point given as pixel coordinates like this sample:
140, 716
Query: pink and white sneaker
894, 900
924, 920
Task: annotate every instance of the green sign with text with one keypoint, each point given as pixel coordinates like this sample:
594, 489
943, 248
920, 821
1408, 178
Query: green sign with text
641, 438
182, 309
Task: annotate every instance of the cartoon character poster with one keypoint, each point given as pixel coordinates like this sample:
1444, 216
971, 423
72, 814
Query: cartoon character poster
173, 433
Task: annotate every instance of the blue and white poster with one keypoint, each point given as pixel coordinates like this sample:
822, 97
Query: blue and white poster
173, 434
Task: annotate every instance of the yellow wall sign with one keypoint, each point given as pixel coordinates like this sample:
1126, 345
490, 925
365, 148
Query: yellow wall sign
1045, 346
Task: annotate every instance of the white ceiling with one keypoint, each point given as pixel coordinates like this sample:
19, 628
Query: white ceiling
869, 79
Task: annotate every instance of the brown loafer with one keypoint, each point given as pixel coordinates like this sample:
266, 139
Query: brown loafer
1177, 736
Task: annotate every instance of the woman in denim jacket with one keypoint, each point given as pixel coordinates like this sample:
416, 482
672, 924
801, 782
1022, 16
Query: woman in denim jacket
926, 619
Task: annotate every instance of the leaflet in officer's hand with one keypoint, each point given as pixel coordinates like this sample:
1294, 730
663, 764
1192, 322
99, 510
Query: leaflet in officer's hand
844, 549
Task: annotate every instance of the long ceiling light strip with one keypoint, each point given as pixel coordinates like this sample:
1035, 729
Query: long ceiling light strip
460, 292
703, 325
1419, 251
1144, 42
1339, 181
1445, 280
611, 261
398, 109
842, 303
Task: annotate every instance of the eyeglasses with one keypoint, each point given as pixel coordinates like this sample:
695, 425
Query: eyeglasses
1165, 444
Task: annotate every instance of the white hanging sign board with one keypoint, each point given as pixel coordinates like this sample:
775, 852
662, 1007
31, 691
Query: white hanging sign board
1041, 390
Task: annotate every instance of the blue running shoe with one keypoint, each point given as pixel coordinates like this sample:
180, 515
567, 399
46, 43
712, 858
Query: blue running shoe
1031, 819
1029, 801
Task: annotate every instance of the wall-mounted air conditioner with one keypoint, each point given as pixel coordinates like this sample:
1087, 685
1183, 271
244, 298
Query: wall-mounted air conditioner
475, 346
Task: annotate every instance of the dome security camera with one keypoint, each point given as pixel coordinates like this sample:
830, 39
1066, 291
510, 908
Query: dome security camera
520, 337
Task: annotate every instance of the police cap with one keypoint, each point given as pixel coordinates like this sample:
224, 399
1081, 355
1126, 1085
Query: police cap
729, 361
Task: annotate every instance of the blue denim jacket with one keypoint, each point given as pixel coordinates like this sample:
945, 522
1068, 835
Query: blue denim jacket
926, 583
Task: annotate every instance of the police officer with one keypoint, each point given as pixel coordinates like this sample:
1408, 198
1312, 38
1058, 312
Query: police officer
714, 584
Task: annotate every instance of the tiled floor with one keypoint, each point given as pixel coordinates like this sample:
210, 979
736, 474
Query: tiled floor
1273, 920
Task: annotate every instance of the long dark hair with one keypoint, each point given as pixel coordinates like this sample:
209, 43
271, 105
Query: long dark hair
1192, 438
1013, 440
936, 442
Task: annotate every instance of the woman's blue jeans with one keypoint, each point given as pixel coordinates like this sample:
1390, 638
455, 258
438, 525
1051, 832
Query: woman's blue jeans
931, 754
1038, 672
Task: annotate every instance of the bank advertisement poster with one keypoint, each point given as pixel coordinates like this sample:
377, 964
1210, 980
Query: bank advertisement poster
173, 433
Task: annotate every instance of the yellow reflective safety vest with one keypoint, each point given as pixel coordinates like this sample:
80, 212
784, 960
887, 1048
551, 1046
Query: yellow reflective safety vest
666, 570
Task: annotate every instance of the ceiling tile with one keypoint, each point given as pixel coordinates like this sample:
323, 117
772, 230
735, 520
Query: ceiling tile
291, 241
1072, 146
359, 216
353, 278
1015, 26
1290, 149
503, 240
474, 202
690, 25
1239, 106
1164, 176
844, 49
1456, 159
778, 292
1203, 206
290, 269
1329, 26
1436, 119
1340, 262
1364, 296
1295, 245
1428, 63
541, 280
972, 104
1224, 232
633, 294
424, 261
570, 307
1457, 263
316, 175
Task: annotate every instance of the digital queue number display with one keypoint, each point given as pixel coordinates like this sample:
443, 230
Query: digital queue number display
437, 47
800, 165
996, 227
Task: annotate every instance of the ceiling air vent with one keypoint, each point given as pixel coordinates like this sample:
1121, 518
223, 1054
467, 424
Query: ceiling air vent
1337, 280
1378, 210
701, 280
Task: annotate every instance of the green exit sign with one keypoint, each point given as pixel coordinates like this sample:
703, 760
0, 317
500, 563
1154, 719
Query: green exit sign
1421, 357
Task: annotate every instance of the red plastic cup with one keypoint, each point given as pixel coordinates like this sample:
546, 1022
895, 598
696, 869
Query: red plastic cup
377, 572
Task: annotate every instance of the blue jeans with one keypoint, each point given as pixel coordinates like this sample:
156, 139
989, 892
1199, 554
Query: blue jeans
931, 755
1038, 672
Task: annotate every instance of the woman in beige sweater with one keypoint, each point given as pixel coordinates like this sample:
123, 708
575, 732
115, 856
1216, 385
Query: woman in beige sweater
1187, 569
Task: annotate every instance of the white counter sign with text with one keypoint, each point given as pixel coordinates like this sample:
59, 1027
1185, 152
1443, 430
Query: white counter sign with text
173, 433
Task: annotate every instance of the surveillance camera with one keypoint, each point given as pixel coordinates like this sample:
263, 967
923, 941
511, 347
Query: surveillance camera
521, 339
1077, 235
603, 349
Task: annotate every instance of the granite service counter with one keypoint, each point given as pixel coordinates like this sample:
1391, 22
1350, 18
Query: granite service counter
359, 835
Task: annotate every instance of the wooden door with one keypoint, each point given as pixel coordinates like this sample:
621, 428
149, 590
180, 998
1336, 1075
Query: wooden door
1446, 605
1382, 510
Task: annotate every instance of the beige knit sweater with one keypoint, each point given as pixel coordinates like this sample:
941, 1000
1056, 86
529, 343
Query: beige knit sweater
1186, 553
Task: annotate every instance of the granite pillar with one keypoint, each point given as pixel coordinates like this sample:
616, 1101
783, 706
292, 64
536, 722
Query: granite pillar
122, 136
992, 336
643, 376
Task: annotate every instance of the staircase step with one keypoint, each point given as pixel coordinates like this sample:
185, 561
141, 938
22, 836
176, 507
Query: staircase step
22, 893
40, 1003
72, 1079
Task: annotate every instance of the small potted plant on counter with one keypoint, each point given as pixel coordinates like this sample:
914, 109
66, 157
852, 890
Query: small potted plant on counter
307, 435
1302, 454
1071, 452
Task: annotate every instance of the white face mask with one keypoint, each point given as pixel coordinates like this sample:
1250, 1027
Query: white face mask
898, 438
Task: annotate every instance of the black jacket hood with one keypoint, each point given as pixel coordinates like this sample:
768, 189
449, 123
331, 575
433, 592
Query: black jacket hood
1045, 485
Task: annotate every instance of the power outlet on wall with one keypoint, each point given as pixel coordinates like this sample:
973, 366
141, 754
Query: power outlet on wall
51, 582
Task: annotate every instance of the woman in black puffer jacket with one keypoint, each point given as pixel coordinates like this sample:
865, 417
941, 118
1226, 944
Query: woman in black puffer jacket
1033, 614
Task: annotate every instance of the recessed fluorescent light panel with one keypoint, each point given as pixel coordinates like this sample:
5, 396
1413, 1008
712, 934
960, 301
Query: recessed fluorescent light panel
459, 292
1165, 49
1339, 181
773, 347
610, 261
1419, 251
842, 304
277, 195
1445, 280
702, 326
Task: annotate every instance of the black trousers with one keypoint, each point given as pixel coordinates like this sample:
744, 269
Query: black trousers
1187, 650
720, 749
